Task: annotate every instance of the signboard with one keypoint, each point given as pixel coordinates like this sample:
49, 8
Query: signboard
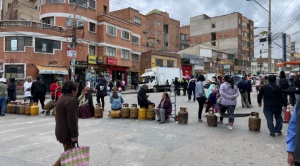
81, 64
111, 61
92, 59
71, 52
198, 67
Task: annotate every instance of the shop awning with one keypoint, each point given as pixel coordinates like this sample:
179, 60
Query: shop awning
52, 70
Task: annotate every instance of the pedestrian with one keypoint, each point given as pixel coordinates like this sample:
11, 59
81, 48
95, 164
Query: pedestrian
257, 84
191, 88
243, 89
3, 94
110, 85
273, 101
12, 90
283, 83
297, 85
228, 93
86, 99
200, 95
135, 84
249, 89
292, 99
116, 99
38, 91
80, 84
101, 88
142, 97
164, 109
212, 100
88, 84
177, 86
66, 118
184, 84
55, 90
27, 89
213, 85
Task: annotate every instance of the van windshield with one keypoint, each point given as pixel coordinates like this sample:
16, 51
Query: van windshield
145, 79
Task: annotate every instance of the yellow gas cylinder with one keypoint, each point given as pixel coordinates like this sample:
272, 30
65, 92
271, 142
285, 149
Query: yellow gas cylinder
13, 108
22, 109
142, 114
27, 108
34, 109
133, 111
98, 111
8, 108
125, 111
114, 114
150, 112
18, 106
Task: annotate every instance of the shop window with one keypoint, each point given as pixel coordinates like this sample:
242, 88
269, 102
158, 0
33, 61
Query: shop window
92, 27
92, 50
135, 40
110, 51
159, 62
125, 35
17, 43
135, 57
46, 45
48, 20
110, 30
170, 63
125, 54
15, 71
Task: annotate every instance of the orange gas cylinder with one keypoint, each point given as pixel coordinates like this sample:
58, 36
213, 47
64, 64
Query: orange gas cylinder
142, 113
34, 109
287, 116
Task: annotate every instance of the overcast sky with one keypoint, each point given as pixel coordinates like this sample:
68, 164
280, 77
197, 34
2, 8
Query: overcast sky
284, 12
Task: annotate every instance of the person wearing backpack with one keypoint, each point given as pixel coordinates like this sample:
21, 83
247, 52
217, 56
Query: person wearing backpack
284, 83
243, 88
116, 100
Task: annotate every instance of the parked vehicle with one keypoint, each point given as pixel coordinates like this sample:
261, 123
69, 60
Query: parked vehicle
156, 78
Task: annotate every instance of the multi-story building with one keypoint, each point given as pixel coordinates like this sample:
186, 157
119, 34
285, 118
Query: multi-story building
184, 37
20, 10
159, 31
232, 33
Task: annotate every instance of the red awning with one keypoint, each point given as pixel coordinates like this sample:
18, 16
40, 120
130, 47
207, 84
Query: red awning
281, 64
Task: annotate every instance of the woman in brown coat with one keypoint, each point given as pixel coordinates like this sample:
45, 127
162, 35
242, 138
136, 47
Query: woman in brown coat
66, 129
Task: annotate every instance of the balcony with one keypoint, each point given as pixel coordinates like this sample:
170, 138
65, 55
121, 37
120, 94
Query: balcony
54, 1
30, 25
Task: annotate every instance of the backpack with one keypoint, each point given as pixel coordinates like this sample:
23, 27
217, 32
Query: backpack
283, 83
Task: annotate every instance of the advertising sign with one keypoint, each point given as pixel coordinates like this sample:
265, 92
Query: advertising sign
71, 52
111, 61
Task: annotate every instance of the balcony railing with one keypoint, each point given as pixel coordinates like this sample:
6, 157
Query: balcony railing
30, 24
54, 1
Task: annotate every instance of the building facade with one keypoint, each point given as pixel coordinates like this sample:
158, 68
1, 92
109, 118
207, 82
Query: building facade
184, 37
20, 10
232, 33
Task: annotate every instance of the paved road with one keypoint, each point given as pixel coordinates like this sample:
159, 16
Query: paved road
30, 141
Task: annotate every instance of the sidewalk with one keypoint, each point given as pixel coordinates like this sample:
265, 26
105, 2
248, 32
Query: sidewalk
128, 91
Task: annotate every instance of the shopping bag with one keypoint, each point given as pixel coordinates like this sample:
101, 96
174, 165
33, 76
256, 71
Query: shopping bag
78, 156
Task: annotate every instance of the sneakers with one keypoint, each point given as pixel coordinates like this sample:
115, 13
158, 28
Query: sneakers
206, 113
220, 122
158, 120
217, 114
229, 127
272, 134
162, 122
279, 133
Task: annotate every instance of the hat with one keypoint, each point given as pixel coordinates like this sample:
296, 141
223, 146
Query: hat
212, 80
2, 80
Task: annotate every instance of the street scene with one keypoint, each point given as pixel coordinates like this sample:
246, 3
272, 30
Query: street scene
31, 141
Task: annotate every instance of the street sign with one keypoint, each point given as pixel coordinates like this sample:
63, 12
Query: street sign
71, 52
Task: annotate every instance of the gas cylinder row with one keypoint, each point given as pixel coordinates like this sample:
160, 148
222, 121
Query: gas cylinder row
134, 112
22, 108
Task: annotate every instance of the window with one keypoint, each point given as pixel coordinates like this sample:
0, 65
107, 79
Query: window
166, 44
158, 41
125, 54
80, 3
213, 25
92, 50
244, 24
92, 4
245, 34
150, 44
54, 1
92, 27
158, 23
135, 57
125, 35
17, 43
48, 20
135, 40
240, 31
182, 36
170, 63
158, 32
159, 62
14, 70
137, 20
104, 10
46, 45
240, 41
239, 21
111, 30
110, 51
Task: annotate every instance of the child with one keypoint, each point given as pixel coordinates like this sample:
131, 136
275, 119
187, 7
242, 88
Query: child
212, 99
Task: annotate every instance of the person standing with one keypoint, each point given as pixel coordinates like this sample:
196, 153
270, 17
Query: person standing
249, 89
80, 84
243, 88
297, 85
12, 90
3, 94
228, 93
55, 90
273, 101
200, 95
38, 91
111, 85
292, 98
177, 86
191, 88
27, 89
101, 88
184, 84
283, 83
66, 118
213, 85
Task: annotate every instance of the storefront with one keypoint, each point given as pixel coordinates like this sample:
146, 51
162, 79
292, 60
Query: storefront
117, 72
80, 69
49, 73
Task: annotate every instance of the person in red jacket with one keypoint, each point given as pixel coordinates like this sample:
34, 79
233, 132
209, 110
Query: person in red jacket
55, 89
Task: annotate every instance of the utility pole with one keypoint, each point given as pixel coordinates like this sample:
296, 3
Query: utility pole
73, 40
269, 41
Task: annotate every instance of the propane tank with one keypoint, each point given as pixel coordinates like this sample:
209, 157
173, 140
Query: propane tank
22, 109
212, 120
133, 111
98, 111
27, 108
34, 109
125, 111
8, 108
13, 108
142, 114
150, 112
18, 106
254, 122
114, 114
183, 116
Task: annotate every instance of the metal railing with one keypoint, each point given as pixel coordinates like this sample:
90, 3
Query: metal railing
30, 24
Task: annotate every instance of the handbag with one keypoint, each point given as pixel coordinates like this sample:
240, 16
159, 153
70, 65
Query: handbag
78, 156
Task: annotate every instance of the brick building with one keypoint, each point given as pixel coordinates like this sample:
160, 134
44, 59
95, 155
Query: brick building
184, 37
232, 33
20, 10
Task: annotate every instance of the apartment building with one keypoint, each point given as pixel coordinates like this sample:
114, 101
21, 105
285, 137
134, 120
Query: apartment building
20, 10
184, 37
231, 33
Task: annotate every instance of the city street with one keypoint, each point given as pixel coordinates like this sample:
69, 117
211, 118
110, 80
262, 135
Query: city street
31, 141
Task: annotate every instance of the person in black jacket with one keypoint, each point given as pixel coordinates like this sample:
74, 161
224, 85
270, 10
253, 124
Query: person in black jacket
38, 91
184, 84
177, 86
191, 88
12, 89
142, 97
273, 101
101, 88
297, 85
80, 84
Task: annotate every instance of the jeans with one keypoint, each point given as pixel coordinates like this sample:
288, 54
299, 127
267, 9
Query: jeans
297, 96
269, 113
161, 114
3, 100
230, 109
201, 101
244, 98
